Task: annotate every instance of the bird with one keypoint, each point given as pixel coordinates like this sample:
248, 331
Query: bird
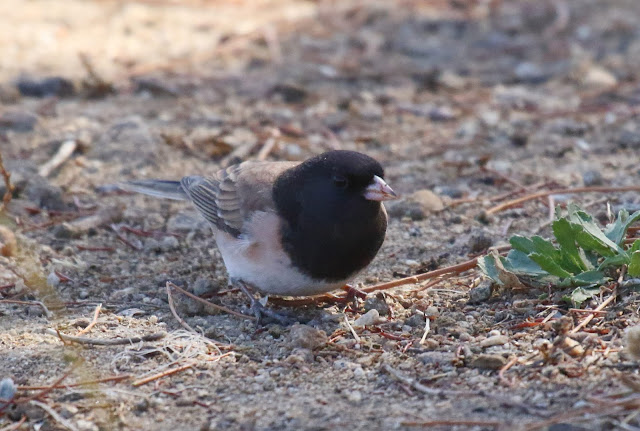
289, 228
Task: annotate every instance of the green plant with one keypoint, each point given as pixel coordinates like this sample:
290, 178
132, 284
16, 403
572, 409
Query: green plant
584, 256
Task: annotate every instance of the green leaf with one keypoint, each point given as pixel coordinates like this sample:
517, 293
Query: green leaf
520, 243
617, 230
487, 265
614, 261
519, 263
566, 240
528, 271
634, 266
544, 247
547, 263
590, 234
590, 242
589, 278
581, 294
635, 246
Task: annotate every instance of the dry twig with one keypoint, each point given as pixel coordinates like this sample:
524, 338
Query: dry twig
504, 369
96, 313
210, 304
597, 189
74, 385
417, 385
103, 342
269, 145
172, 307
62, 155
62, 421
454, 269
165, 373
588, 318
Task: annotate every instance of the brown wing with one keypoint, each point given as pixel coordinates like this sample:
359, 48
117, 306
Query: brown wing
228, 198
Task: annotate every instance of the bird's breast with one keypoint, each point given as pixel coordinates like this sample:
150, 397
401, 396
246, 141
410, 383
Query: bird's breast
257, 257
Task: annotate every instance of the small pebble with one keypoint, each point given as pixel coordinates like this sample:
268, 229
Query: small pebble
85, 425
432, 311
290, 93
353, 396
628, 139
68, 411
436, 358
8, 242
7, 390
415, 321
482, 292
307, 337
377, 303
44, 194
201, 286
632, 341
47, 87
479, 242
169, 243
371, 317
53, 280
489, 362
592, 178
496, 340
18, 121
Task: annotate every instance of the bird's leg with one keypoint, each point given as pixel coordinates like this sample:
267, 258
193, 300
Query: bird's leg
353, 293
259, 310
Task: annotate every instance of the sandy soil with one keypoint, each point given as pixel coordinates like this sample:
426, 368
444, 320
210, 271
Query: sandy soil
477, 102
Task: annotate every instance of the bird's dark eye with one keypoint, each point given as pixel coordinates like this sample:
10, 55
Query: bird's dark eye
340, 181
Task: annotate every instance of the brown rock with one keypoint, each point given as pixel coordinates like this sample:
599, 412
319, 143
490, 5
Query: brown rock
489, 362
8, 243
306, 337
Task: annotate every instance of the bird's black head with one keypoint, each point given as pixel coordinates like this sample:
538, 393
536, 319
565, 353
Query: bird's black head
335, 223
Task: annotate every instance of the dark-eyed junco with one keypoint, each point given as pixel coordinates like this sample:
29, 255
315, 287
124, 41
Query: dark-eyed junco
288, 228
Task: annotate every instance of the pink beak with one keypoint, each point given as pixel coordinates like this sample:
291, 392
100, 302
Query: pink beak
378, 190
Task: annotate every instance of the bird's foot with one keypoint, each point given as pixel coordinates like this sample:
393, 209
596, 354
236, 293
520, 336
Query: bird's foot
260, 310
353, 293
351, 298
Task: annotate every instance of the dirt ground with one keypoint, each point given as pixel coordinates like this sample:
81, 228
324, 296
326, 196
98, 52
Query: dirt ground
478, 102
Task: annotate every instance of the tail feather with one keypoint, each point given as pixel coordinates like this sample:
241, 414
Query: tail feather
156, 188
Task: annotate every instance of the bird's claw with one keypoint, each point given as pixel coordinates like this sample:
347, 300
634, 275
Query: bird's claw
260, 310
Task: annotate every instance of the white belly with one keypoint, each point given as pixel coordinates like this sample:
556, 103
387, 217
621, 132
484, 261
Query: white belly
258, 259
